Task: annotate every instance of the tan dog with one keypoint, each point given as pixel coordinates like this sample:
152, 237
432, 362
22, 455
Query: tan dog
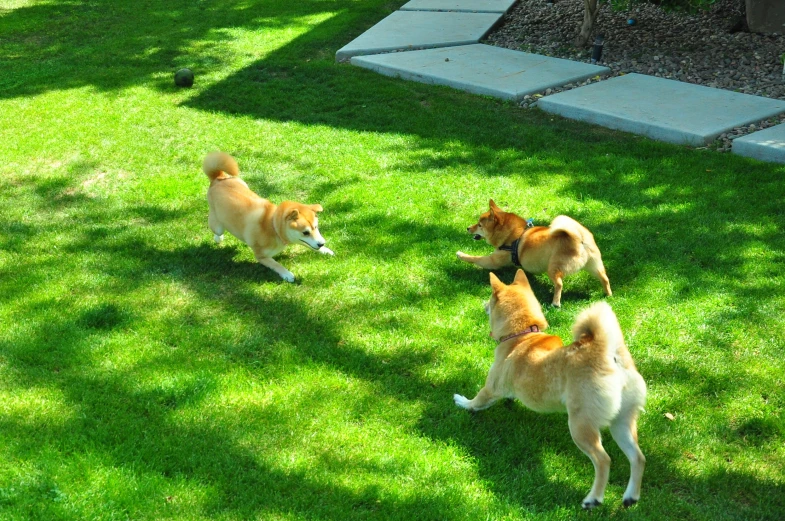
260, 224
593, 379
562, 249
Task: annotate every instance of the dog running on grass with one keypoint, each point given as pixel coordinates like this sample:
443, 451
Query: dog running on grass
594, 379
265, 227
563, 248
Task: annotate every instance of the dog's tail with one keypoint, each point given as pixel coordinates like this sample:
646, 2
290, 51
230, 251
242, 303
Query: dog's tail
597, 325
220, 165
563, 225
620, 392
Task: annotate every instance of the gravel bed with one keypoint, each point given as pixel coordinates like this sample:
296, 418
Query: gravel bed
711, 48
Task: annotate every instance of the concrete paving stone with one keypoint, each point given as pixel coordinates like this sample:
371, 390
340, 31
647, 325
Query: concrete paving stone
481, 69
765, 145
466, 6
666, 110
408, 30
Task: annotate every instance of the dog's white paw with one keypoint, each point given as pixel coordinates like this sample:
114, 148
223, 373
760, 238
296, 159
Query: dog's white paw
326, 250
287, 276
461, 401
460, 255
218, 238
590, 502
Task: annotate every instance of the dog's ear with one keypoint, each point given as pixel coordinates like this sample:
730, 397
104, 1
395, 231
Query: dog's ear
316, 207
496, 284
293, 215
496, 212
521, 279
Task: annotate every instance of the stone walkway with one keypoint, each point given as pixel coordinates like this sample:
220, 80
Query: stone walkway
437, 41
482, 69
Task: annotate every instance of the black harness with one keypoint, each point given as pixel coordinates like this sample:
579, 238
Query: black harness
513, 248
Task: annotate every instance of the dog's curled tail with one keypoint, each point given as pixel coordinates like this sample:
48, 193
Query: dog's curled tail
563, 225
598, 325
220, 165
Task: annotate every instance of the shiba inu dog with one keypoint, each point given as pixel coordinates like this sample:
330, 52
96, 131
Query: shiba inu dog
563, 248
593, 379
266, 228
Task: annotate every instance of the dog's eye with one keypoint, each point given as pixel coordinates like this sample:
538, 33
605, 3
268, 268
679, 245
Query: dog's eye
306, 232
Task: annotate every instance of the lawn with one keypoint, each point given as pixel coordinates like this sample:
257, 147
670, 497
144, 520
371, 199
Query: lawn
147, 373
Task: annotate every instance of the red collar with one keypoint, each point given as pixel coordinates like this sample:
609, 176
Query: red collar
530, 329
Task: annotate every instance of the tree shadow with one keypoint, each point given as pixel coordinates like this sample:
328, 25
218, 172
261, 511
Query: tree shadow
672, 225
67, 44
513, 448
142, 437
506, 441
665, 209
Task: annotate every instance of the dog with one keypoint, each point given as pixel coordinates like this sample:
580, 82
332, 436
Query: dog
594, 379
562, 249
265, 227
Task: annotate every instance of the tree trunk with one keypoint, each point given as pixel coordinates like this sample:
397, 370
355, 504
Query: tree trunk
766, 16
589, 17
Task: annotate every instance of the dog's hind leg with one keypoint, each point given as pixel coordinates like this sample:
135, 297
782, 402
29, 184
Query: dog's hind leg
624, 430
215, 226
587, 437
597, 270
556, 275
484, 399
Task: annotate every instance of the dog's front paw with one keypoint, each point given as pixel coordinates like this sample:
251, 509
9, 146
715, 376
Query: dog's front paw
461, 255
590, 503
628, 502
218, 238
461, 401
288, 276
325, 250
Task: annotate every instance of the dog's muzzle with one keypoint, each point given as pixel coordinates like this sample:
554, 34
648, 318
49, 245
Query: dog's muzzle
317, 247
477, 237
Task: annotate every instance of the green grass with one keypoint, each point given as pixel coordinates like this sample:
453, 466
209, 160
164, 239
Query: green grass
146, 373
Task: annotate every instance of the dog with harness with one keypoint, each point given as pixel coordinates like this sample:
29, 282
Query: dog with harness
561, 249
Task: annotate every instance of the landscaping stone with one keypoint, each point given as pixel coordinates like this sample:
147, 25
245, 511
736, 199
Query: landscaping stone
666, 110
467, 6
765, 145
706, 48
409, 30
482, 69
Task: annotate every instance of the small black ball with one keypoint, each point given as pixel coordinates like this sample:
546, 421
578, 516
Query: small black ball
184, 78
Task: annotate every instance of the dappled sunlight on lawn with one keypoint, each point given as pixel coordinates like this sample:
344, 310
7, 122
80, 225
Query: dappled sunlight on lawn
150, 373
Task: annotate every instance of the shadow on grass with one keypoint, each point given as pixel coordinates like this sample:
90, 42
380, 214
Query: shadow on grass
135, 433
134, 430
66, 44
129, 427
507, 442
